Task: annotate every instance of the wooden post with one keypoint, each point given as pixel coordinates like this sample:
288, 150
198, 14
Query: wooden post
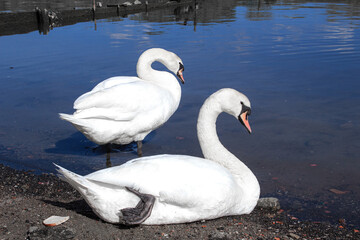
93, 10
43, 20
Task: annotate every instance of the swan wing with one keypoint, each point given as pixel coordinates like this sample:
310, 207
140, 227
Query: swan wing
178, 180
121, 100
110, 82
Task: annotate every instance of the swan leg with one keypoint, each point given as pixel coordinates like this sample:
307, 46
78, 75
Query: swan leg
139, 148
108, 152
138, 214
108, 161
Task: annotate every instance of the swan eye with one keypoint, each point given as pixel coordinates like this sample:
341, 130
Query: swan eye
245, 109
181, 67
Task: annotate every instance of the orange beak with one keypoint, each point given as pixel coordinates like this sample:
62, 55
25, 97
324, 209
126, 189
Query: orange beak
180, 76
244, 120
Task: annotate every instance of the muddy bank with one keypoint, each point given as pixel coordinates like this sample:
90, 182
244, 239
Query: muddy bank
27, 199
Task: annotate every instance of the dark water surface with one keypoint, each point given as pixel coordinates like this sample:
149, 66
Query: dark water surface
26, 5
297, 61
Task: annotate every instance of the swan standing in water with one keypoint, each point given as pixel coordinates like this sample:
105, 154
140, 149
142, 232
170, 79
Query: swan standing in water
166, 189
124, 109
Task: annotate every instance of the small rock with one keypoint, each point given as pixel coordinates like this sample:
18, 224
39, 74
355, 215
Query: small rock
32, 229
55, 220
3, 230
342, 221
293, 235
269, 202
56, 233
218, 235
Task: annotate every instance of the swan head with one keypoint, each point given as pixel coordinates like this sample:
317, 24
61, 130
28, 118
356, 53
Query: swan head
175, 65
180, 72
169, 59
236, 104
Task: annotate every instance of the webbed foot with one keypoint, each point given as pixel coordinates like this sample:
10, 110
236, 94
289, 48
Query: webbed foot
138, 214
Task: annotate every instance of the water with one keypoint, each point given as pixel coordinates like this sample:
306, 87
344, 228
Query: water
297, 61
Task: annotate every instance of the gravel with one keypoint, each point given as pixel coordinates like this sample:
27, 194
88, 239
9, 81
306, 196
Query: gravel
27, 199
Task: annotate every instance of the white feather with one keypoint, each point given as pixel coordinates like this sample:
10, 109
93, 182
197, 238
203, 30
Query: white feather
125, 109
186, 188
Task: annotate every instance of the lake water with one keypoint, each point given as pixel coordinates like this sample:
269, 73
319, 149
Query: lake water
297, 61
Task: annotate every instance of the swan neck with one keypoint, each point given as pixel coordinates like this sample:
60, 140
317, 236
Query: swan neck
210, 144
162, 78
212, 148
144, 69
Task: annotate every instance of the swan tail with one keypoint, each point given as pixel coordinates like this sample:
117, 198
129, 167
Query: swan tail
80, 124
80, 183
70, 118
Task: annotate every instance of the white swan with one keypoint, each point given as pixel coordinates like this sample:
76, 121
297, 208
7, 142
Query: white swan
166, 189
124, 109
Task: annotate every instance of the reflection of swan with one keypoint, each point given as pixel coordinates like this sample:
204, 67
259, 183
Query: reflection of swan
177, 188
124, 109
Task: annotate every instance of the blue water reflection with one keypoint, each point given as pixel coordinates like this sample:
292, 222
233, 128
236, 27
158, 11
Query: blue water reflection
298, 62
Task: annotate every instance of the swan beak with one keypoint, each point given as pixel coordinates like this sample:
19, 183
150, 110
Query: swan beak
243, 118
180, 75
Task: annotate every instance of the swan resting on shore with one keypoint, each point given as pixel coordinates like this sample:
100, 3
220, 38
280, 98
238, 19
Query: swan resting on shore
124, 109
166, 189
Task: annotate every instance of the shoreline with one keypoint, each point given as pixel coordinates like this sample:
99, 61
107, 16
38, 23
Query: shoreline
44, 20
27, 199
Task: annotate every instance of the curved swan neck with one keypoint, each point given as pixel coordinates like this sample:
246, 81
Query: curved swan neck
213, 149
162, 78
143, 67
210, 144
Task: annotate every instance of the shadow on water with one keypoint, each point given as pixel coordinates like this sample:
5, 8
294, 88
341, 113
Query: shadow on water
77, 144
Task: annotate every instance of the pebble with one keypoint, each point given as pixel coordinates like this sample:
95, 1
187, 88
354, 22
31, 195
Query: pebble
293, 235
218, 235
55, 233
269, 202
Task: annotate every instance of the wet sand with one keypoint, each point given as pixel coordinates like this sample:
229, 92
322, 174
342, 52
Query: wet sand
27, 199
